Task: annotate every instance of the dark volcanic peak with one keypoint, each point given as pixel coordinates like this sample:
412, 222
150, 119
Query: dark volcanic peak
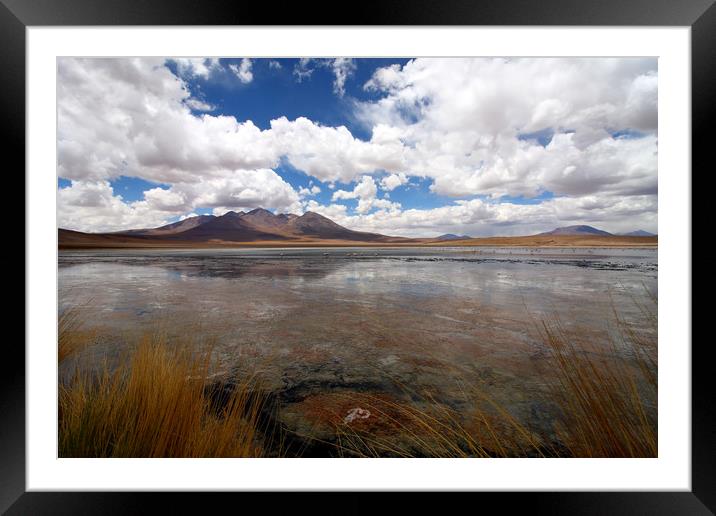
230, 227
258, 214
264, 220
577, 230
312, 215
312, 224
259, 210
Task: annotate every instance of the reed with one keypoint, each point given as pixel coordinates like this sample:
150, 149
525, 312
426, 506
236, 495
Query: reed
607, 399
604, 396
72, 336
158, 403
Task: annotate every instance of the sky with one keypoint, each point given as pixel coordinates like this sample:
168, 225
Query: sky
408, 147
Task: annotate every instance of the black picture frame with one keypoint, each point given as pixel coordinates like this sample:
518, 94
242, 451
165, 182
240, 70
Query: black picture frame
16, 15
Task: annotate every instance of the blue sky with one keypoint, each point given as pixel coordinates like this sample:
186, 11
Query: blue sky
275, 92
401, 146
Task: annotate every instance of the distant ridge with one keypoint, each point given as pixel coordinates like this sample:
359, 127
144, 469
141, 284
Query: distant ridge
638, 233
576, 231
450, 236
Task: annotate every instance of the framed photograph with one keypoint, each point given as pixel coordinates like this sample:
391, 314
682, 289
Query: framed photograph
419, 250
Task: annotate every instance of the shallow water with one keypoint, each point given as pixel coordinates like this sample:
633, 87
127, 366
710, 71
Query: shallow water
388, 321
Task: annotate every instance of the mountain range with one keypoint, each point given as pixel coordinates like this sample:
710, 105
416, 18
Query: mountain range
258, 225
262, 226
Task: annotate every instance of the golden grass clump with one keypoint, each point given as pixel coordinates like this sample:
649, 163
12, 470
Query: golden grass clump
607, 398
432, 429
604, 395
71, 336
157, 403
600, 392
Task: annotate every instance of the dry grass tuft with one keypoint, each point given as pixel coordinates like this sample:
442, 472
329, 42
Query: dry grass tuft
607, 400
433, 429
605, 396
157, 403
71, 336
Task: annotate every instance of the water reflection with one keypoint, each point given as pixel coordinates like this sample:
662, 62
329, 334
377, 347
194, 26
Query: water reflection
355, 318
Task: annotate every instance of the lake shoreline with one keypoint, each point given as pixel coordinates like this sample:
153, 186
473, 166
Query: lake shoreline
77, 240
346, 245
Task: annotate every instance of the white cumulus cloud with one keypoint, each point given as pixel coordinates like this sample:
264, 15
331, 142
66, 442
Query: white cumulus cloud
393, 181
243, 70
475, 129
365, 191
196, 66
